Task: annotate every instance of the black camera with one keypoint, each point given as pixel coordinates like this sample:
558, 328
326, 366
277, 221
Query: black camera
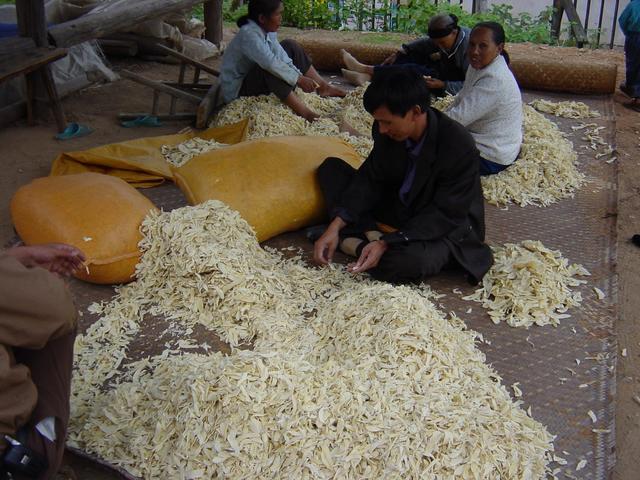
20, 459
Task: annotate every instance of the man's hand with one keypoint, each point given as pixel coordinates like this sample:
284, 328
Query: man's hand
326, 245
56, 257
369, 258
307, 84
434, 83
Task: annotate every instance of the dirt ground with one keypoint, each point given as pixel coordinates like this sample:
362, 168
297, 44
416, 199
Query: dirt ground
27, 152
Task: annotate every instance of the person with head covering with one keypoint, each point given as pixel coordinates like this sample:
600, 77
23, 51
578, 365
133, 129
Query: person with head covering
441, 57
255, 63
630, 25
420, 180
490, 102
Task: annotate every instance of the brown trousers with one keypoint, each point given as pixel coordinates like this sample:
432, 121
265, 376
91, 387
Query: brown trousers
50, 369
260, 82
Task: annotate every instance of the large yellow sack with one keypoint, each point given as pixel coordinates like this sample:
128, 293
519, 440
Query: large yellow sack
270, 181
99, 214
140, 161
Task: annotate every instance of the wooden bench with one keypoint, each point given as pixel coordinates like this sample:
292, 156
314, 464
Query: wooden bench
20, 56
204, 96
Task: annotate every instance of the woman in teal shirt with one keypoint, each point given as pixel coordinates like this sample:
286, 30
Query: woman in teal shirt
255, 63
630, 25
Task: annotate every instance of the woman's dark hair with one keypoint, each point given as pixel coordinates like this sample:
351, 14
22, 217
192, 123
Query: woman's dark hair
257, 8
442, 25
399, 89
498, 35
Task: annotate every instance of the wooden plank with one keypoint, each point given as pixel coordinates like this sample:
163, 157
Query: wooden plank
27, 62
54, 99
189, 60
114, 16
194, 86
183, 69
213, 21
146, 45
15, 45
123, 48
161, 117
207, 106
159, 86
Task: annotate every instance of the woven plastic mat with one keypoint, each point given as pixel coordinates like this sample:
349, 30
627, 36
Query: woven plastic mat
565, 371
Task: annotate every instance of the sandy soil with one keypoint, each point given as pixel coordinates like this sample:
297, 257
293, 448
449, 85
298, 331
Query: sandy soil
28, 152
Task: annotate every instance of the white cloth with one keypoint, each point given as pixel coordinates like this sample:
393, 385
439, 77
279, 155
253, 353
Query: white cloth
47, 428
490, 106
249, 47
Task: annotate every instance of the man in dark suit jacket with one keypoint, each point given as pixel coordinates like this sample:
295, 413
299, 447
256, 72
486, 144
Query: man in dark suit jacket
421, 178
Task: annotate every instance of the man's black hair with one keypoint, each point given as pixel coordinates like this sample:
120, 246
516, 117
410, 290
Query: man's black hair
399, 89
257, 8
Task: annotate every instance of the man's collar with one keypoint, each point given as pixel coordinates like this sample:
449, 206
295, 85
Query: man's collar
461, 35
415, 147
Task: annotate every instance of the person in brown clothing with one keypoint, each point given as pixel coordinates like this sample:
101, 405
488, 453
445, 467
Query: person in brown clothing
37, 333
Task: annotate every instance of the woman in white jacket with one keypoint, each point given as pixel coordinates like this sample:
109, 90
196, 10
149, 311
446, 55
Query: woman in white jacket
490, 103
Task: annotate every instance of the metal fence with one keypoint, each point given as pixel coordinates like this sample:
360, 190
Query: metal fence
599, 17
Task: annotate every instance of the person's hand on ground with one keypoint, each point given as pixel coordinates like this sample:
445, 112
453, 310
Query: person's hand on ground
434, 83
56, 257
307, 84
311, 116
325, 247
369, 258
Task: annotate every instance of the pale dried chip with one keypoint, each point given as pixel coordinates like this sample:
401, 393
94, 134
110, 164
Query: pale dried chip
566, 109
529, 284
516, 391
178, 155
347, 377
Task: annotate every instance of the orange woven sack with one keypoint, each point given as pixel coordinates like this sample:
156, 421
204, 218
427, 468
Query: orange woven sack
99, 214
270, 181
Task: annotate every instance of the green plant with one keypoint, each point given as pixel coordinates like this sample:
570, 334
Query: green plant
521, 28
229, 14
411, 18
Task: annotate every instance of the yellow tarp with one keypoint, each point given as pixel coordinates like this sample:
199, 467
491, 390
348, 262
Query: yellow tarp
271, 182
140, 162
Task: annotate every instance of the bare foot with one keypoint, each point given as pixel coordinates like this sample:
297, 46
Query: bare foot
351, 62
328, 90
355, 78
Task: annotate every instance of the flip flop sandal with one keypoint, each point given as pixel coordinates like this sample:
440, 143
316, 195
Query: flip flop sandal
146, 121
635, 106
74, 130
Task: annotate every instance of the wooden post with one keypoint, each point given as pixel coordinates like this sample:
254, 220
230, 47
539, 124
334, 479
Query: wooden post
559, 8
31, 20
556, 19
482, 6
213, 21
110, 19
32, 23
